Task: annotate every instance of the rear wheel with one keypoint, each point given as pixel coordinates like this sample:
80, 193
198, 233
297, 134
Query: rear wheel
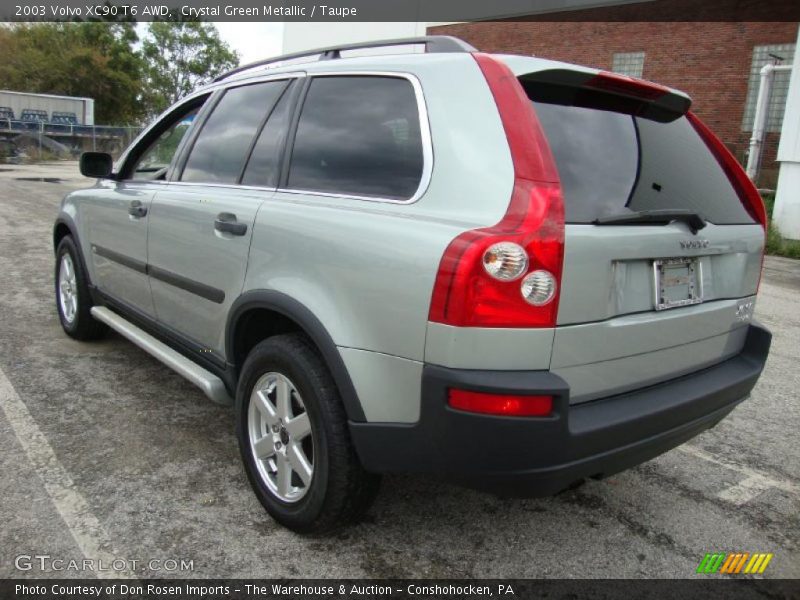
293, 436
73, 300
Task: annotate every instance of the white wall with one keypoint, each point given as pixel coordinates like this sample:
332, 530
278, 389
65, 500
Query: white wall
19, 101
786, 214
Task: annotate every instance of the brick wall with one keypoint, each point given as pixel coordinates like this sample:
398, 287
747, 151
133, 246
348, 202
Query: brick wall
708, 60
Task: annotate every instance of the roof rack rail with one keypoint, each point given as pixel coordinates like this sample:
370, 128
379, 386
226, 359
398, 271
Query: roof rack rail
433, 43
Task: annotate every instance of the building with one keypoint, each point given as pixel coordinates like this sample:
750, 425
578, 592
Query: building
716, 57
35, 124
716, 63
786, 214
24, 106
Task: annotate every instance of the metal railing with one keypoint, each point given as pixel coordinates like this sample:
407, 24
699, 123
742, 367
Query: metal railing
94, 137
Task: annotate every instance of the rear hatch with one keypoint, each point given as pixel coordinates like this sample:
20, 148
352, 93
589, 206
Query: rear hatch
662, 257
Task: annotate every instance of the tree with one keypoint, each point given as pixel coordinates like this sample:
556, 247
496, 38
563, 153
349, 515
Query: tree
179, 55
102, 60
92, 59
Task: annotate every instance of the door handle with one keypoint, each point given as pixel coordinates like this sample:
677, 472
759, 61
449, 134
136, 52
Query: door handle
136, 209
227, 223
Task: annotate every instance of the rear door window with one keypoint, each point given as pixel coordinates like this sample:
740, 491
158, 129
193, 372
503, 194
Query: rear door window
221, 148
262, 167
358, 136
610, 163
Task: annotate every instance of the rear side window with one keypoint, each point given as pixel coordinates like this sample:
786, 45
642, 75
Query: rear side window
610, 163
358, 136
262, 168
220, 150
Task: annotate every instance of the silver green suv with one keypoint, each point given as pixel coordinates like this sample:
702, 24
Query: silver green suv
511, 272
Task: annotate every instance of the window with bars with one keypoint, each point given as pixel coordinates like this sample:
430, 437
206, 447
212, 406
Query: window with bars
628, 63
780, 85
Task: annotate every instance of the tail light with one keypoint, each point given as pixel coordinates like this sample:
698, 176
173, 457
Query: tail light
500, 404
466, 292
746, 189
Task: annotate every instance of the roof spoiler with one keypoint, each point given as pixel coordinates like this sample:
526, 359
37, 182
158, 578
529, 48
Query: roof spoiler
606, 91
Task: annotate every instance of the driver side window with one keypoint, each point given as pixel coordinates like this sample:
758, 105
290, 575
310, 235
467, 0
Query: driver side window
153, 162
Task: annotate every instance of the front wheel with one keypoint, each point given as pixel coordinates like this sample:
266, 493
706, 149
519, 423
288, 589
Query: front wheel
73, 300
294, 439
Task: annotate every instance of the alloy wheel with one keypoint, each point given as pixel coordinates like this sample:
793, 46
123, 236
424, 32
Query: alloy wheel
67, 289
279, 431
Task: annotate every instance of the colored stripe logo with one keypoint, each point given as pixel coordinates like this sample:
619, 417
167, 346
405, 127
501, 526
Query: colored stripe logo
735, 563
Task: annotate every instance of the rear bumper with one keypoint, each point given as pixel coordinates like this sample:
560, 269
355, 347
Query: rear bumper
541, 456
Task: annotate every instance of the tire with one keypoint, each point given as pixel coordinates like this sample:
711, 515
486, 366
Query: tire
75, 303
338, 490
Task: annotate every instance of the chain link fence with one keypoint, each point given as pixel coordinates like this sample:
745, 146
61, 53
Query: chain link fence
22, 140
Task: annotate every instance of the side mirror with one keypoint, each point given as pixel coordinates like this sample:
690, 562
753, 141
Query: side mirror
96, 164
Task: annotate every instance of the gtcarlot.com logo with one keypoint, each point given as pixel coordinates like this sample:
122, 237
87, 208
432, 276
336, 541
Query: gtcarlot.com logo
735, 563
45, 562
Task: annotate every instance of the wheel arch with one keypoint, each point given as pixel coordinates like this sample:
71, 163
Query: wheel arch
60, 231
64, 226
294, 312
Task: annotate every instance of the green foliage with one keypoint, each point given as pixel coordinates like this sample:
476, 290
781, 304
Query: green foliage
774, 240
103, 60
791, 249
769, 202
776, 244
179, 56
91, 59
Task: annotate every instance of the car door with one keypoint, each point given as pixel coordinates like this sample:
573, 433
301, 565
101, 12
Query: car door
201, 222
117, 211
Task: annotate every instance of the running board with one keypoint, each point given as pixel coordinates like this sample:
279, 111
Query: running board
205, 380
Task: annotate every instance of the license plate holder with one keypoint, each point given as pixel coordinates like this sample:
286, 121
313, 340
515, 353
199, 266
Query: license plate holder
678, 282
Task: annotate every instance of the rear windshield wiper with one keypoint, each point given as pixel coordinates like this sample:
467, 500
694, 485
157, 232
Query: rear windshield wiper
655, 217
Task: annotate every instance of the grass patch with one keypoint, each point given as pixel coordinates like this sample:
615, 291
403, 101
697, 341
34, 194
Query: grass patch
769, 202
777, 245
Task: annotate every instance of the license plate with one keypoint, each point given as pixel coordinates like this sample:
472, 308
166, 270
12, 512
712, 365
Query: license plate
678, 282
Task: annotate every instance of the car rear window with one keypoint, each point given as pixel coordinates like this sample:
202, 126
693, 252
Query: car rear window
610, 163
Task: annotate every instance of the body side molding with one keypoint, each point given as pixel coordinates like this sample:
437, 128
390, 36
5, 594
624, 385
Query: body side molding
197, 288
125, 261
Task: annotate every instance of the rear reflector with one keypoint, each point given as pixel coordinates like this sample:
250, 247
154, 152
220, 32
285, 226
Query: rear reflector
626, 86
500, 404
